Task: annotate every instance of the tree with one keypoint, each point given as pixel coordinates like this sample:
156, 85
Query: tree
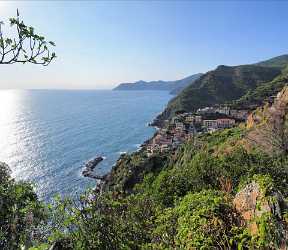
21, 213
25, 46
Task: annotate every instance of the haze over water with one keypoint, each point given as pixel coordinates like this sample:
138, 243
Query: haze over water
47, 135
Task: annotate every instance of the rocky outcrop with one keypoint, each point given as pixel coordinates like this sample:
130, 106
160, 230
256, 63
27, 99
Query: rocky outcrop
89, 168
268, 125
253, 204
130, 169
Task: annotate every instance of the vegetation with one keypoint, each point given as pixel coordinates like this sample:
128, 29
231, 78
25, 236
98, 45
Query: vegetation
276, 62
21, 213
180, 200
25, 46
226, 84
185, 204
183, 199
257, 97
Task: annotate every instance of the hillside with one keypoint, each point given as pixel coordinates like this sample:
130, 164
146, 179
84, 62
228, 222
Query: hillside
260, 94
223, 85
225, 190
181, 84
173, 86
268, 125
222, 190
277, 62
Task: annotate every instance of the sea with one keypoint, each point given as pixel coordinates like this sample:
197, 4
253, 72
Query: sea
46, 136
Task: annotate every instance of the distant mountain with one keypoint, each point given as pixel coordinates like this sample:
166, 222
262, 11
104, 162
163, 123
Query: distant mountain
225, 84
173, 86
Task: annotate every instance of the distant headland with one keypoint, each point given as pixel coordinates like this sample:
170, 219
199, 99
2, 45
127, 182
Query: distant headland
173, 86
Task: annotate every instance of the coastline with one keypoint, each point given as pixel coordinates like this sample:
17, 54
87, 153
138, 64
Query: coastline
105, 182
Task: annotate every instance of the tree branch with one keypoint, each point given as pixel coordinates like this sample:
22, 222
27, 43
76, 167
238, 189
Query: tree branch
25, 47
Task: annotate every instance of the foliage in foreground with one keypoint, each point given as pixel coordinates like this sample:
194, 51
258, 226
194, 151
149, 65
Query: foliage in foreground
21, 213
185, 204
24, 45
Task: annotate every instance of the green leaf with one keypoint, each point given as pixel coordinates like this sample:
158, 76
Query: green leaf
52, 43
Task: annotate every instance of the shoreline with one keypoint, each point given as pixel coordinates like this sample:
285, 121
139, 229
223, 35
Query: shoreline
103, 181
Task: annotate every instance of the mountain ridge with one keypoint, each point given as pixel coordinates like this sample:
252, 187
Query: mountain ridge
223, 85
173, 86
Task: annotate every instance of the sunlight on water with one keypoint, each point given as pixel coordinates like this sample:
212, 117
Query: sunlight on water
8, 112
11, 146
46, 136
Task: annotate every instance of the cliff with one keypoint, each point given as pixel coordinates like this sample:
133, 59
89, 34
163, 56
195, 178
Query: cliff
268, 125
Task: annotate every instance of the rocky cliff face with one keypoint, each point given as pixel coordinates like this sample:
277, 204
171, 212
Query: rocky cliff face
268, 125
262, 208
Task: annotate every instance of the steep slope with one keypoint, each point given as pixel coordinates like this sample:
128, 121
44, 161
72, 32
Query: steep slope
262, 93
181, 84
268, 125
277, 62
212, 192
214, 189
222, 85
173, 86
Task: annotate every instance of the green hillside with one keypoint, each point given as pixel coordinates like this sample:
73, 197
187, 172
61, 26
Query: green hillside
184, 200
259, 95
277, 62
225, 190
224, 85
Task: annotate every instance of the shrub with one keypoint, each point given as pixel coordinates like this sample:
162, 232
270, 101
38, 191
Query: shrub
21, 213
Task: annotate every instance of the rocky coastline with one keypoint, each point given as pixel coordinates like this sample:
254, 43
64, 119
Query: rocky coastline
90, 166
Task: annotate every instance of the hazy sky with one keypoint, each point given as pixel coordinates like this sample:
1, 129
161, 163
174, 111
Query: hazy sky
100, 44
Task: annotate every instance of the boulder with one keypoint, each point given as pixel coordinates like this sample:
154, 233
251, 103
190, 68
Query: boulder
252, 202
246, 200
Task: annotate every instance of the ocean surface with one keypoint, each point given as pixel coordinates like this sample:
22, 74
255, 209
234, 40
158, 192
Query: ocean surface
47, 135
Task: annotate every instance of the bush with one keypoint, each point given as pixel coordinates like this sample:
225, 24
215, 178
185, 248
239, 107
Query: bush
200, 220
21, 213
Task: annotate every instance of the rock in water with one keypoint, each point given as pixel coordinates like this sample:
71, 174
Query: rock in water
90, 166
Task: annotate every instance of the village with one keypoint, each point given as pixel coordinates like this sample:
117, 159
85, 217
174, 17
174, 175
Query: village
184, 126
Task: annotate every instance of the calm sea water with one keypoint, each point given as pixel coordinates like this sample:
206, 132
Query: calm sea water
46, 136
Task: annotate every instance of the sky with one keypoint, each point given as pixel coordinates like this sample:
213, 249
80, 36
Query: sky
103, 43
